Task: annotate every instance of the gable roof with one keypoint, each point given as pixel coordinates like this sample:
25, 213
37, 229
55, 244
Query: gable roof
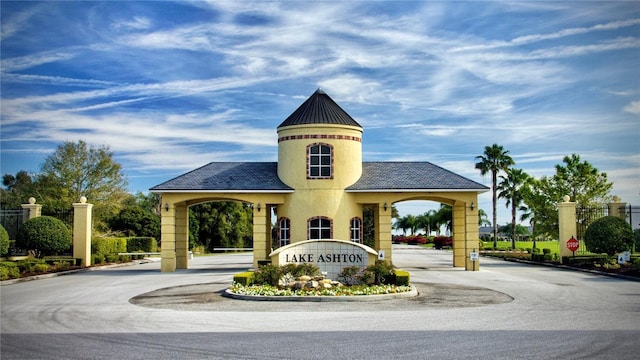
411, 177
319, 108
263, 177
228, 177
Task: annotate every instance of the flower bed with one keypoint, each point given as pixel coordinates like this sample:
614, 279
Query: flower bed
354, 290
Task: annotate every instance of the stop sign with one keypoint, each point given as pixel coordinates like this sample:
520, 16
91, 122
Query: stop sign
573, 244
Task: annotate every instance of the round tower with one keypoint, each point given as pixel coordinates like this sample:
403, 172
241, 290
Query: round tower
319, 156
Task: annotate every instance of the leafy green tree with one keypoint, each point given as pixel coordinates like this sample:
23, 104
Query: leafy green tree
483, 218
543, 208
407, 222
510, 189
494, 160
18, 189
135, 221
226, 224
582, 182
427, 221
45, 235
444, 217
77, 169
610, 235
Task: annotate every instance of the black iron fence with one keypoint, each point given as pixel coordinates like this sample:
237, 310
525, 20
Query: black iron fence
585, 216
11, 221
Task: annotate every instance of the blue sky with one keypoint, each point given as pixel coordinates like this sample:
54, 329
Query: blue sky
172, 86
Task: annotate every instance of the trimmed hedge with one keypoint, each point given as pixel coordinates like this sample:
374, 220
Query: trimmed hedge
402, 277
108, 246
244, 278
45, 234
142, 244
4, 241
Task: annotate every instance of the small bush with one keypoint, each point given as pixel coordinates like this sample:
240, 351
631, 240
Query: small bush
97, 259
381, 270
40, 268
546, 251
609, 235
267, 275
349, 275
244, 278
108, 246
440, 242
45, 234
4, 241
9, 270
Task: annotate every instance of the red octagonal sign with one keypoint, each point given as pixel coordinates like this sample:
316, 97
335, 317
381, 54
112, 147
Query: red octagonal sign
573, 244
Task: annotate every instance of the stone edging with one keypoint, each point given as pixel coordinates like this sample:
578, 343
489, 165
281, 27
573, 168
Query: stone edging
412, 293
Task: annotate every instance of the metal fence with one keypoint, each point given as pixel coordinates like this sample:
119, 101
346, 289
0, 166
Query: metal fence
585, 216
11, 221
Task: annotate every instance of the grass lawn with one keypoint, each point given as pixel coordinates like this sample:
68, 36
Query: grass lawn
522, 245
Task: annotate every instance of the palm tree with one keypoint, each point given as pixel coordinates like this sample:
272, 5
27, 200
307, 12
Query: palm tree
494, 160
483, 218
510, 189
427, 221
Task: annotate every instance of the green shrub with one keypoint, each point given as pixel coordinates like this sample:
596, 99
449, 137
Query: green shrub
97, 259
9, 270
244, 278
349, 275
40, 268
142, 244
28, 264
108, 246
268, 275
546, 251
45, 235
4, 241
111, 258
402, 277
609, 235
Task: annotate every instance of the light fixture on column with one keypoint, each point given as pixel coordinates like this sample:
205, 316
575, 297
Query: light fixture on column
259, 207
166, 206
473, 206
385, 206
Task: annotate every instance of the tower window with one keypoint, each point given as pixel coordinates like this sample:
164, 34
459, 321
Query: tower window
320, 161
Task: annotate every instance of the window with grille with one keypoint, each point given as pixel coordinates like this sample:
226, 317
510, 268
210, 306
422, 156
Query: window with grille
320, 157
319, 228
284, 233
355, 229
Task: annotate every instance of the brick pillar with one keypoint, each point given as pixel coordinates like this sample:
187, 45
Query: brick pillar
472, 236
567, 225
182, 236
82, 231
32, 210
459, 234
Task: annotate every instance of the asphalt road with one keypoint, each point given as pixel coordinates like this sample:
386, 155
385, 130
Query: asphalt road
505, 311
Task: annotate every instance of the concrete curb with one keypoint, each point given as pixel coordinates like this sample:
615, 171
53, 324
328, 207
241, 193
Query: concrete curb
355, 298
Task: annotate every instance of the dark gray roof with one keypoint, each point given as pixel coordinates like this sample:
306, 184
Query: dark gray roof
319, 108
228, 176
411, 176
263, 177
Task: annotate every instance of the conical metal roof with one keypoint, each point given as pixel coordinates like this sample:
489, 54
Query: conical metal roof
319, 108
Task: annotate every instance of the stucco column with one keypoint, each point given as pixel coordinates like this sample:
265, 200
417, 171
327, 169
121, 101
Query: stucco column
459, 234
383, 229
472, 236
182, 236
168, 238
82, 231
32, 210
261, 245
566, 224
617, 208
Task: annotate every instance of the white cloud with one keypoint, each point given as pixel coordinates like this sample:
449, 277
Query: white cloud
633, 107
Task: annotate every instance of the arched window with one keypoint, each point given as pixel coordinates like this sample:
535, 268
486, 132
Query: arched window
319, 161
355, 229
320, 228
284, 231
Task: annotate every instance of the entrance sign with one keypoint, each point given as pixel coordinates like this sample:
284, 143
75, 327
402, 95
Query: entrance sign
473, 256
331, 256
381, 255
573, 244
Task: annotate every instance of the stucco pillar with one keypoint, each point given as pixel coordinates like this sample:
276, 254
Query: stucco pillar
82, 231
182, 236
168, 239
32, 210
617, 208
459, 234
472, 236
261, 243
383, 229
566, 224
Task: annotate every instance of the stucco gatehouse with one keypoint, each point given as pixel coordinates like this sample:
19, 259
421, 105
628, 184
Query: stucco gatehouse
319, 187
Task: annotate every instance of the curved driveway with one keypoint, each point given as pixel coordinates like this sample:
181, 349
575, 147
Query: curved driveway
554, 314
